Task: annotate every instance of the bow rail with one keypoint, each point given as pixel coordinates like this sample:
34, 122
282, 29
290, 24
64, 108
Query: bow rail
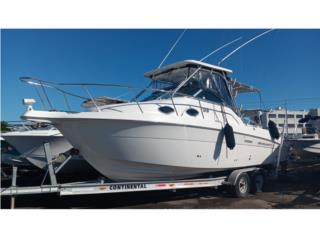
43, 84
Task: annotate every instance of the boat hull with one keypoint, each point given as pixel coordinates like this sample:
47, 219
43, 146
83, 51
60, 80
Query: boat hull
128, 150
306, 150
31, 147
9, 155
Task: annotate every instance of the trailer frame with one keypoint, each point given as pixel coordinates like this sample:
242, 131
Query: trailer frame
103, 186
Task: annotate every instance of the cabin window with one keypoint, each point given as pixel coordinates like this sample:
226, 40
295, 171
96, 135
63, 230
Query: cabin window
299, 116
192, 112
291, 125
300, 125
272, 115
204, 84
211, 86
209, 96
163, 90
166, 109
192, 88
281, 116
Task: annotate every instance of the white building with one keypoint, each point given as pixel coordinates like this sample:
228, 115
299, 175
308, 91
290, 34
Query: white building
279, 116
314, 112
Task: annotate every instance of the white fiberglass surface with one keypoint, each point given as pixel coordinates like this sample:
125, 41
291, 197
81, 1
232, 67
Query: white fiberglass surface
128, 141
110, 145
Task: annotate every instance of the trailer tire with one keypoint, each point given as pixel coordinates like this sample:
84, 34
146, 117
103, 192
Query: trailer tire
242, 185
257, 182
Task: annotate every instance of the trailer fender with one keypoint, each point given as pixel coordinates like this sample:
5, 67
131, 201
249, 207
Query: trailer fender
234, 175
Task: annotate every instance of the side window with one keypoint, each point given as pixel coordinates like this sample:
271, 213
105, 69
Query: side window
208, 95
191, 88
215, 88
224, 91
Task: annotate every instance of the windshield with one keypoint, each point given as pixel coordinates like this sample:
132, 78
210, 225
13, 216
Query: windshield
159, 92
205, 84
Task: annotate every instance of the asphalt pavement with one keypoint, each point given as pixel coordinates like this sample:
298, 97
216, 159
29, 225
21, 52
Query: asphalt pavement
299, 188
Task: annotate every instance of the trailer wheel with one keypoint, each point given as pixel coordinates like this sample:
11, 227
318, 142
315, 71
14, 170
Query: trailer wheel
257, 182
242, 186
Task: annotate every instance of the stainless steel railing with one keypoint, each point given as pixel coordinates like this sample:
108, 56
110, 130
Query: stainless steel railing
170, 94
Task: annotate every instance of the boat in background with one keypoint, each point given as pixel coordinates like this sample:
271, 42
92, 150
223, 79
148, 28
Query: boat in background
10, 156
306, 148
29, 142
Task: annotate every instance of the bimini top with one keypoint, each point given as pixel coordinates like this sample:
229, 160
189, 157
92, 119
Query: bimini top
185, 63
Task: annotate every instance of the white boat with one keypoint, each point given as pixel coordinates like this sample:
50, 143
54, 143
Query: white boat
176, 132
306, 148
29, 143
9, 155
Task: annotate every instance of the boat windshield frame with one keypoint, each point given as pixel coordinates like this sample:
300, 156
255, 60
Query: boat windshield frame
179, 78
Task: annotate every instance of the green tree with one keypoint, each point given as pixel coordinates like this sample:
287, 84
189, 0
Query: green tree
4, 126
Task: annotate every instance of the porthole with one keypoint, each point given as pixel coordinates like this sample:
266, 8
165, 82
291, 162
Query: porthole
166, 109
192, 112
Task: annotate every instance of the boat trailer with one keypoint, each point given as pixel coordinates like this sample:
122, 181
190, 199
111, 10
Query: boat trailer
238, 179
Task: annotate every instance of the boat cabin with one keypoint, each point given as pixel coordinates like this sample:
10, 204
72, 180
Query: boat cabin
197, 79
191, 78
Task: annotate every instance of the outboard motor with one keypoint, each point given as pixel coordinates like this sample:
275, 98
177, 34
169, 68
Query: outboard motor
273, 130
229, 136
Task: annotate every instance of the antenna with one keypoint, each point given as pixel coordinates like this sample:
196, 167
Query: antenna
244, 44
218, 49
173, 46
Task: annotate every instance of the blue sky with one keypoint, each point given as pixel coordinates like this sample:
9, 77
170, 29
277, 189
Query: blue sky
284, 64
